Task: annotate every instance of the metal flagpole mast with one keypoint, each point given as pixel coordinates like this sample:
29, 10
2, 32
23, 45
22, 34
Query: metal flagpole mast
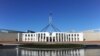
50, 18
50, 25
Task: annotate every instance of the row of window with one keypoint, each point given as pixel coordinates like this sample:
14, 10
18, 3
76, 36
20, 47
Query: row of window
31, 35
68, 39
29, 39
68, 34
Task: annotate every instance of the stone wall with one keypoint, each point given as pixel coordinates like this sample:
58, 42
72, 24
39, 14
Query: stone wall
9, 36
91, 36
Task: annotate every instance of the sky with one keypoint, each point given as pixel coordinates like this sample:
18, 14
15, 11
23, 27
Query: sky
78, 15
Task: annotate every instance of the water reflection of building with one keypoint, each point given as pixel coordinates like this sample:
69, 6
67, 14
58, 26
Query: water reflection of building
73, 52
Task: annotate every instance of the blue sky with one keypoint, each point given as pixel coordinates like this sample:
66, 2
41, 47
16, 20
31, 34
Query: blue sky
68, 15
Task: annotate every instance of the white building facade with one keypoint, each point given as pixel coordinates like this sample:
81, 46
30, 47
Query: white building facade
52, 37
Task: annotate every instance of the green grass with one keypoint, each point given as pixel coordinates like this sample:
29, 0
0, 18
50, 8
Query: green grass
53, 45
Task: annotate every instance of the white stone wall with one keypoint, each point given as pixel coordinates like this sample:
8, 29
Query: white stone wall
52, 37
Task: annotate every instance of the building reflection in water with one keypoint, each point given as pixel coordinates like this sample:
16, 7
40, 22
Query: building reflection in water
68, 52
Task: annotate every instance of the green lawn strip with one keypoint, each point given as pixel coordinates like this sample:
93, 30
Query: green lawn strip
52, 45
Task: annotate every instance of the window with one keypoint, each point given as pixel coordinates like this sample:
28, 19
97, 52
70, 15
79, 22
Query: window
56, 34
78, 39
25, 35
50, 33
31, 35
72, 39
69, 35
74, 34
62, 35
44, 34
44, 37
77, 34
38, 35
75, 39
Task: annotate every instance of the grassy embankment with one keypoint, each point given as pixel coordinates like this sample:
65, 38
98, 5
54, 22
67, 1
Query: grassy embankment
53, 45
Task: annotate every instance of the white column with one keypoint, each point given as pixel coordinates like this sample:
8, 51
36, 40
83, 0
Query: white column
76, 37
30, 37
51, 38
48, 38
37, 38
33, 37
43, 37
66, 37
63, 37
24, 37
69, 37
58, 37
18, 37
73, 37
40, 37
55, 38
